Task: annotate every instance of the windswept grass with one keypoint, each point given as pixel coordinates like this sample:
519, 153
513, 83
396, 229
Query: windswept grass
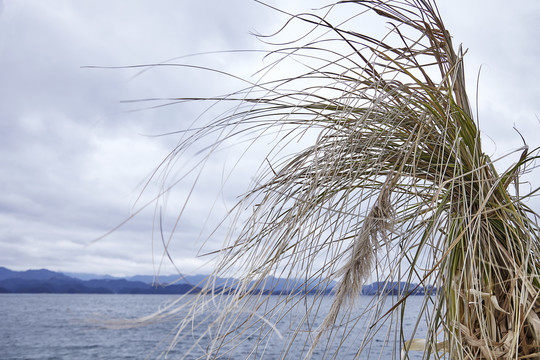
391, 184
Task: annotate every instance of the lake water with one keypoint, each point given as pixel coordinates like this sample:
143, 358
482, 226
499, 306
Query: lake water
57, 326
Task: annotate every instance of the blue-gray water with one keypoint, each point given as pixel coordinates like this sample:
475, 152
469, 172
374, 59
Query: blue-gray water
56, 326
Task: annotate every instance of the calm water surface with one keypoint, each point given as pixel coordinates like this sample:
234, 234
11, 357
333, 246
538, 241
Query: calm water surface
57, 326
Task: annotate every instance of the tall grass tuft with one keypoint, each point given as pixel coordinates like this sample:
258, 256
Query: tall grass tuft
390, 184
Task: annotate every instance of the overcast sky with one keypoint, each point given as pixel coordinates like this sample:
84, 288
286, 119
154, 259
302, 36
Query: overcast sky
74, 158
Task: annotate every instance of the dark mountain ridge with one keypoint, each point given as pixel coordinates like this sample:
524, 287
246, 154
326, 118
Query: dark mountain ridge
46, 281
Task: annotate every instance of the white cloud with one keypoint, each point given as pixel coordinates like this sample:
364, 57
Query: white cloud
73, 160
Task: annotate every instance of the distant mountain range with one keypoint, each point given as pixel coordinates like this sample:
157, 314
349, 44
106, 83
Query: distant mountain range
46, 281
396, 288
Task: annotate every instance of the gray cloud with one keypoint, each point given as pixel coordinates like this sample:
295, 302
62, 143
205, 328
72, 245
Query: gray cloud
498, 37
74, 160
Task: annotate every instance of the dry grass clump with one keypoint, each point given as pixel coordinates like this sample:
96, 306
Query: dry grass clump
393, 184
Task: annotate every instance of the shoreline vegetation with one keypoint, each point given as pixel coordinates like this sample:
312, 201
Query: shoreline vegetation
44, 281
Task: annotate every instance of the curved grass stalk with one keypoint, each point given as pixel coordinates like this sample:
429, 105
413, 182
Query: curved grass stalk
393, 186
